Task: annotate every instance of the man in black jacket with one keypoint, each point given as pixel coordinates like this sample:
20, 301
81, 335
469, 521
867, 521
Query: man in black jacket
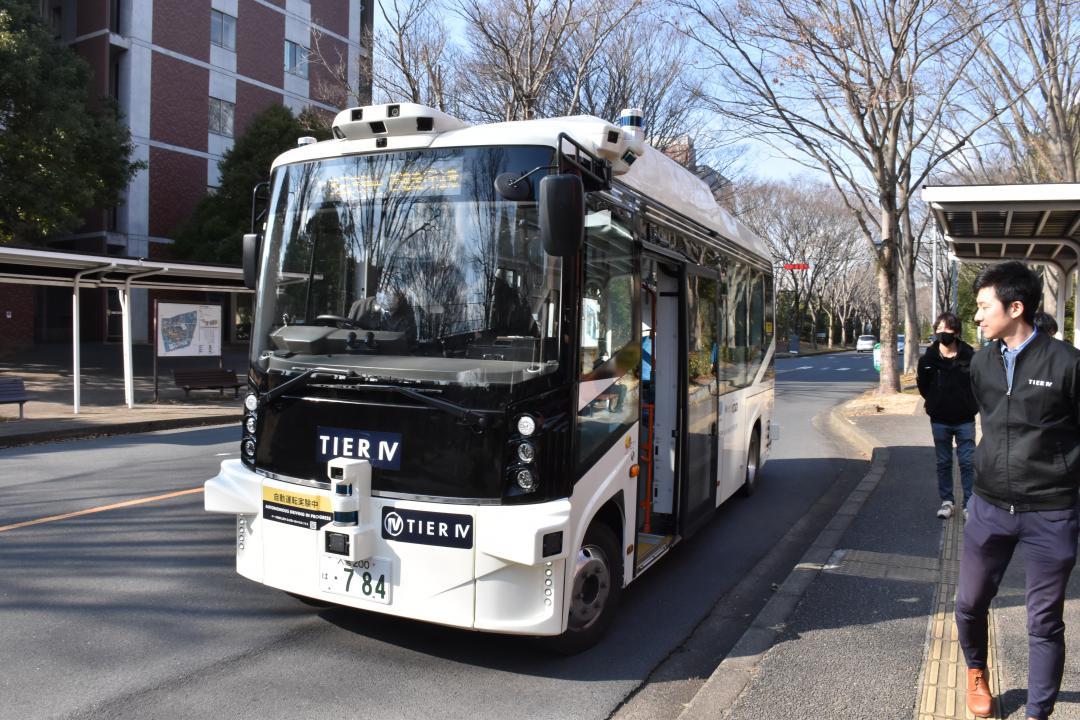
1027, 466
945, 383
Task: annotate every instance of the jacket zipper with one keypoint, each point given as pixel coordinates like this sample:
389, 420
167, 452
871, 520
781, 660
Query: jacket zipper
1008, 412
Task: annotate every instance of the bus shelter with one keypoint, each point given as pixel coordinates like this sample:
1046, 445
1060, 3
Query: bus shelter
1037, 224
77, 270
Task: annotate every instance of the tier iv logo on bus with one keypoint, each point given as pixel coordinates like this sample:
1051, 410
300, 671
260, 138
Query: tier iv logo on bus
382, 450
427, 528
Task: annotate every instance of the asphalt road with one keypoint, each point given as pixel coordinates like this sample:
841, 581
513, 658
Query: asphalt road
136, 612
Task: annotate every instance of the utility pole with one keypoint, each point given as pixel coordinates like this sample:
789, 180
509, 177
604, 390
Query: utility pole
933, 278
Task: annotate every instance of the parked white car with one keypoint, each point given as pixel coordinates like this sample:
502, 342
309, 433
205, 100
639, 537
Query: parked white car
865, 343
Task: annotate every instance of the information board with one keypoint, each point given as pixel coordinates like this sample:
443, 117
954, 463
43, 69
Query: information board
188, 330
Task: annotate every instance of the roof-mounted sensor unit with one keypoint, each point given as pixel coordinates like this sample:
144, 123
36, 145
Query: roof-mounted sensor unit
390, 120
618, 147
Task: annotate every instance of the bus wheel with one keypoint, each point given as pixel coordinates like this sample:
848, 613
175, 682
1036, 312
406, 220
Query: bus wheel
597, 587
753, 458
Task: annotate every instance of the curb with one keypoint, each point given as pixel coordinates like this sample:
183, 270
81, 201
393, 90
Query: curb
735, 671
106, 430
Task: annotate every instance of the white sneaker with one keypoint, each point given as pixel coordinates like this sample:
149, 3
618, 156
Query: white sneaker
945, 511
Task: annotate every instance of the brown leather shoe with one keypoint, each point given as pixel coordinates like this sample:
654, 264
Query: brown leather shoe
979, 700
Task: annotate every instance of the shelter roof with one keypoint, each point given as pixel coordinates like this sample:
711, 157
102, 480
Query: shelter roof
50, 267
986, 223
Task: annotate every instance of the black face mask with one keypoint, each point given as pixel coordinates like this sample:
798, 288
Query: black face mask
946, 338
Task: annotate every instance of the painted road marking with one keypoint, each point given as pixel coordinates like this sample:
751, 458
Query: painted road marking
100, 508
804, 367
842, 369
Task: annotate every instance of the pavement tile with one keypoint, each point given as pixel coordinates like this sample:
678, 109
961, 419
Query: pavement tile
49, 415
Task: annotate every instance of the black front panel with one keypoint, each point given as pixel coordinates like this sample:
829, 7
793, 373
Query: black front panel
414, 449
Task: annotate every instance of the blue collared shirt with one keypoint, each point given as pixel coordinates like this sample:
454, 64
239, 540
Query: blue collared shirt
1009, 356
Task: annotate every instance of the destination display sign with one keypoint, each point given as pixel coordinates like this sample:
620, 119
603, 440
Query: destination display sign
427, 177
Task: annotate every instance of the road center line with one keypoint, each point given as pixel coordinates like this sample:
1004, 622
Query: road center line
101, 508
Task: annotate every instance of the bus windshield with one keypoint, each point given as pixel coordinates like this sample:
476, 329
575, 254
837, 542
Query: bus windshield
408, 266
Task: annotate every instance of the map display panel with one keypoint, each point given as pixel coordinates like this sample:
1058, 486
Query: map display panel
188, 330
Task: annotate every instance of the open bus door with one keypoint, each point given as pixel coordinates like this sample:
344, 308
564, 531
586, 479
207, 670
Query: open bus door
679, 432
700, 399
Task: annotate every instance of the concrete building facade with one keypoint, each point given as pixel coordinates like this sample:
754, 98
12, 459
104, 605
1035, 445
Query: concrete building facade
188, 76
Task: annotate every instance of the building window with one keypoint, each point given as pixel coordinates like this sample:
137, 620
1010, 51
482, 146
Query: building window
221, 117
223, 30
296, 59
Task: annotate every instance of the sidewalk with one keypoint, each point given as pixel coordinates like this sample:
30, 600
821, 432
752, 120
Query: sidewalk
863, 628
49, 415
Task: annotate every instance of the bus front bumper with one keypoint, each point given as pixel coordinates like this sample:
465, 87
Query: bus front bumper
496, 568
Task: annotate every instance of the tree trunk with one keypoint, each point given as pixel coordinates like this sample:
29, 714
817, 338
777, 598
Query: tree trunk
813, 324
829, 315
887, 262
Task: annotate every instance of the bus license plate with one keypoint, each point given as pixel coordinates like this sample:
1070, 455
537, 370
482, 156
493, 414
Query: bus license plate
366, 579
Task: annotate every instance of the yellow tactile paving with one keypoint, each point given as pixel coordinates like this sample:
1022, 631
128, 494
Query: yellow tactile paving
944, 677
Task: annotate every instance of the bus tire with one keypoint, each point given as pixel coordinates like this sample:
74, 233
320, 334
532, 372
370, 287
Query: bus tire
597, 587
753, 464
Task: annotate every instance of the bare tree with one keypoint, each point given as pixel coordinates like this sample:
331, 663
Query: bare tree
644, 63
1036, 56
514, 47
844, 296
802, 223
836, 84
414, 60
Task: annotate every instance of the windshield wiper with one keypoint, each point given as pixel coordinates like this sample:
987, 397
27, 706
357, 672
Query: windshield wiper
301, 380
471, 417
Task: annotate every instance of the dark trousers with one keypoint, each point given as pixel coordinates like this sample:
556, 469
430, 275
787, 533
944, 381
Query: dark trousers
965, 455
1049, 541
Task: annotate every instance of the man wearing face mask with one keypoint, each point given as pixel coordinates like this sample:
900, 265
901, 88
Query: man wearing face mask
944, 380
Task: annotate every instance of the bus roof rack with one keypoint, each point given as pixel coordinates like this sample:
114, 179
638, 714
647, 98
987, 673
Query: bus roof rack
595, 172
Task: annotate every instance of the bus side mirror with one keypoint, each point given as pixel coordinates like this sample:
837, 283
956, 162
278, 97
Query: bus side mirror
562, 214
252, 241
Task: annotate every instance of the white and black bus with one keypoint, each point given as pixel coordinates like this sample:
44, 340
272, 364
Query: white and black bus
496, 371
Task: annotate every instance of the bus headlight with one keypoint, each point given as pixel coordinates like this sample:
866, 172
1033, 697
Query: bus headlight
249, 424
526, 452
526, 480
249, 448
526, 425
251, 402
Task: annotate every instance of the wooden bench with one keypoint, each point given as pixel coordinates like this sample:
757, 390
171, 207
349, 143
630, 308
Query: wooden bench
207, 379
13, 390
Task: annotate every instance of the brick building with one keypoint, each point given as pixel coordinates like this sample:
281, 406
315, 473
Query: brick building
188, 76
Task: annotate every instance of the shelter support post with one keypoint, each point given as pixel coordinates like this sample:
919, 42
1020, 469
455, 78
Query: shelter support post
75, 359
1076, 308
1059, 311
125, 308
75, 349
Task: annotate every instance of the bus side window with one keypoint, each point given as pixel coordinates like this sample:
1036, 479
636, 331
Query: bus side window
757, 346
610, 350
734, 355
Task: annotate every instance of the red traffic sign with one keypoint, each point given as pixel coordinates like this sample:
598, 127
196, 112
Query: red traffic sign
796, 266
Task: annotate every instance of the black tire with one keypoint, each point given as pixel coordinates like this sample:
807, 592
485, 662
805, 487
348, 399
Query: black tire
597, 575
753, 465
